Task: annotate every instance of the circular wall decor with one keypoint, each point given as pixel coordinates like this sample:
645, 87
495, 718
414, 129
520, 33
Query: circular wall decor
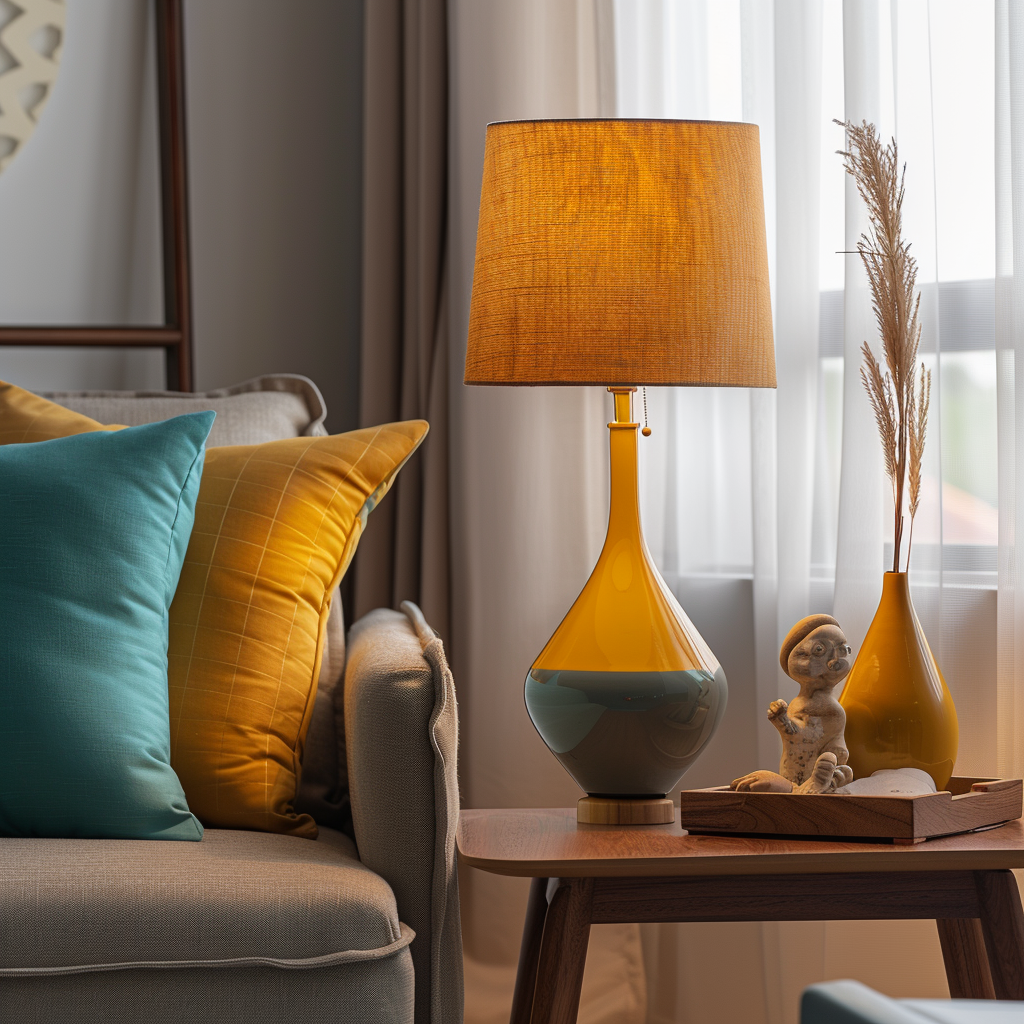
31, 33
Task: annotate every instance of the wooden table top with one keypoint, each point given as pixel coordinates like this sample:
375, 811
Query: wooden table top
548, 843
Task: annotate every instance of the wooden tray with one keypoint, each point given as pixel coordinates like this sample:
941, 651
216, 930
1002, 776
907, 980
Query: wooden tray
968, 804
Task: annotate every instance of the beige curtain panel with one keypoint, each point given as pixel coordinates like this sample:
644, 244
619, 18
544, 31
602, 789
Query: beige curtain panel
404, 352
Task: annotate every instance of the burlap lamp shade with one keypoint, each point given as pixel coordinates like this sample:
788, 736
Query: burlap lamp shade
621, 252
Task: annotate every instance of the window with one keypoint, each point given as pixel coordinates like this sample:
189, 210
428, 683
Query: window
937, 82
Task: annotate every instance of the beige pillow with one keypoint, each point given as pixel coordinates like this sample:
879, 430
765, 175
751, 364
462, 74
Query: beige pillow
268, 408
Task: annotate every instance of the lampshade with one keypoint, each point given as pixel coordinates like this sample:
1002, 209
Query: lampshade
621, 252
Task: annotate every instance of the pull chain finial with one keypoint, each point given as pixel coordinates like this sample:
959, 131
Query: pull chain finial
647, 430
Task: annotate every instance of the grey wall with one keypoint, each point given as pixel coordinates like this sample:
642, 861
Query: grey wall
78, 204
275, 129
275, 124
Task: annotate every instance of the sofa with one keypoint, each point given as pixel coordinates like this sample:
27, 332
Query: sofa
360, 925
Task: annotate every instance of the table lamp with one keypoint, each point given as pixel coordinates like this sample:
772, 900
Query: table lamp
623, 253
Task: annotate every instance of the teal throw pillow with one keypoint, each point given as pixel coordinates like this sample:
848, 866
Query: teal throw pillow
93, 531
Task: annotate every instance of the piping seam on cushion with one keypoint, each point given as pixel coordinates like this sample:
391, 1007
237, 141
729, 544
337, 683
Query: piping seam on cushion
347, 956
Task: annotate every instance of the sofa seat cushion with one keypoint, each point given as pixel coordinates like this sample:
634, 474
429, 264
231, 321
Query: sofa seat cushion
71, 905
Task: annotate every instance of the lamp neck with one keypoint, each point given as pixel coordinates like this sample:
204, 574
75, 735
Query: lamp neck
624, 503
623, 406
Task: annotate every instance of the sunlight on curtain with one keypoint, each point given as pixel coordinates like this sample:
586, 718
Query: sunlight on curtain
786, 490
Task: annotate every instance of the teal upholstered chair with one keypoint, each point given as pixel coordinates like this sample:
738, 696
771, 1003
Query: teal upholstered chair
850, 1002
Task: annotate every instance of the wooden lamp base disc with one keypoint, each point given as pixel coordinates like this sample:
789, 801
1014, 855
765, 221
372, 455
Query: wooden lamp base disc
600, 810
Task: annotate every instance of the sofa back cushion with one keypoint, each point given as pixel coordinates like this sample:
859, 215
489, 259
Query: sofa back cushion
267, 408
95, 528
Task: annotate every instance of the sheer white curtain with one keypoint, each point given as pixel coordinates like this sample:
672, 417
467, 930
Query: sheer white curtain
786, 490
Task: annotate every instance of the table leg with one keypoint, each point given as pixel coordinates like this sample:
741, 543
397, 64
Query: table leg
563, 951
529, 952
963, 951
1002, 922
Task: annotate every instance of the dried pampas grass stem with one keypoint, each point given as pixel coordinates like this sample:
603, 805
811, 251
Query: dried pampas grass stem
901, 415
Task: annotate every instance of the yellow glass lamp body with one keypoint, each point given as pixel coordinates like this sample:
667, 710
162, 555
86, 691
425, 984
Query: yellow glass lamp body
899, 712
626, 694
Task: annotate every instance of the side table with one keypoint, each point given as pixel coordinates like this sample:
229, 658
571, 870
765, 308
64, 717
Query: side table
596, 874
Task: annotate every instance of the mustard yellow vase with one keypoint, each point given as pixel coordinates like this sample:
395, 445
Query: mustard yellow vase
899, 712
626, 694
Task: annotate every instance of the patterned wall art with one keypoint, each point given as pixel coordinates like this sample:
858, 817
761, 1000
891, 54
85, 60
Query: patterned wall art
31, 34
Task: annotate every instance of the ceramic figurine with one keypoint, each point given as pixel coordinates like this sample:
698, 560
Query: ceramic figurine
816, 655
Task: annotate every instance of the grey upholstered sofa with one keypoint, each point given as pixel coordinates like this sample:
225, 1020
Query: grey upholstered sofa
361, 925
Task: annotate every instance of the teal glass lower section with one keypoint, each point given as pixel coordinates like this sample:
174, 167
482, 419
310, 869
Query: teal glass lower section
626, 733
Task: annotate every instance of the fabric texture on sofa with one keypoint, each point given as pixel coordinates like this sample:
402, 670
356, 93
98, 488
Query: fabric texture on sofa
369, 992
234, 898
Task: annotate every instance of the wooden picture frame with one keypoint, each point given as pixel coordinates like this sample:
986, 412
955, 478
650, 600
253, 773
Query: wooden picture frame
174, 336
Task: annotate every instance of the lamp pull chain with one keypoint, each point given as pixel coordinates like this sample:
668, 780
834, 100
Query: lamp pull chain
647, 430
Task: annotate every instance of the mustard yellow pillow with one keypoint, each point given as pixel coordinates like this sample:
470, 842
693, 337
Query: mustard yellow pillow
276, 526
25, 417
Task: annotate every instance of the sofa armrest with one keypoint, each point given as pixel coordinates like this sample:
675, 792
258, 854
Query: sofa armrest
401, 736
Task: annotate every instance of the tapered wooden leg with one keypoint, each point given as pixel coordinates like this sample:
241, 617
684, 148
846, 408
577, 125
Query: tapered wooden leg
1002, 922
563, 952
963, 951
529, 952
